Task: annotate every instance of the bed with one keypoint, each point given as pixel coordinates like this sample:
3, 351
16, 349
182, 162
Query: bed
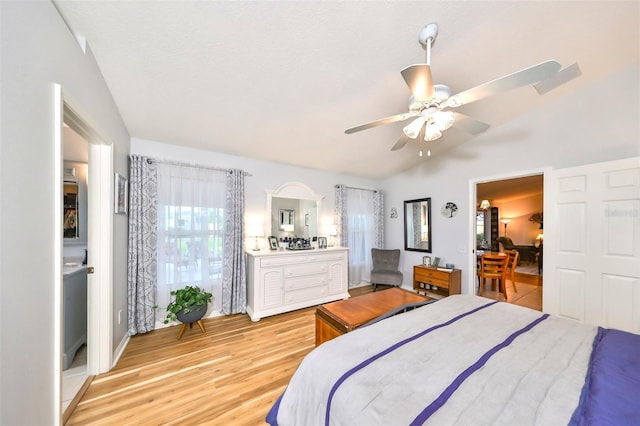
467, 360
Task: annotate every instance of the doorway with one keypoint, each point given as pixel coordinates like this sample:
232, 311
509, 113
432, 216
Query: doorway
75, 150
99, 243
509, 211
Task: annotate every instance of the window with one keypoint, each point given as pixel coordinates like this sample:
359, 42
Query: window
191, 222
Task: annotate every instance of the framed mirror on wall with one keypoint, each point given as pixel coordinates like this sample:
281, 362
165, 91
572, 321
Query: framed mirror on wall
417, 225
293, 211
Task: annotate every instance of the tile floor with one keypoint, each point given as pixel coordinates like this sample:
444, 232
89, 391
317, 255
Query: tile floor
529, 294
74, 377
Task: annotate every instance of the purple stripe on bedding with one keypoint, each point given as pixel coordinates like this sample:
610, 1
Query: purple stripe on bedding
449, 390
272, 415
611, 393
390, 349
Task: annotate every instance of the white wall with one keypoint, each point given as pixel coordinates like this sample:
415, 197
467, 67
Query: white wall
37, 51
264, 175
597, 123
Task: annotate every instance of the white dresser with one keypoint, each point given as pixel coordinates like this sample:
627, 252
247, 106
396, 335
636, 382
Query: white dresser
283, 281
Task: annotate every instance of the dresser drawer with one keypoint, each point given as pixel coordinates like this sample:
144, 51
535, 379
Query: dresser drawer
282, 260
306, 282
305, 294
305, 269
432, 276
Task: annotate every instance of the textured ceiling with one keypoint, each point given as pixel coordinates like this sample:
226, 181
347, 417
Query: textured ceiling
281, 81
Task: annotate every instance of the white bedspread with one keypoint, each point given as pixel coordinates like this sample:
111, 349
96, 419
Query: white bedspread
536, 379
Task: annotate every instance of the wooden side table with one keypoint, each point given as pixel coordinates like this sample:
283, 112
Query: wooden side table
436, 282
337, 318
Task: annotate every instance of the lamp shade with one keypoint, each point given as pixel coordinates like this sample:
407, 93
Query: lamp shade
256, 231
485, 204
412, 130
432, 132
443, 119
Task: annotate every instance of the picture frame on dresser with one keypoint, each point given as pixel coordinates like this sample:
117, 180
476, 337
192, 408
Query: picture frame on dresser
322, 242
273, 243
426, 260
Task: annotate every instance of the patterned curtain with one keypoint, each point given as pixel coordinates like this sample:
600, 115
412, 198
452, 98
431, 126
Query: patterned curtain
378, 219
141, 275
234, 286
340, 214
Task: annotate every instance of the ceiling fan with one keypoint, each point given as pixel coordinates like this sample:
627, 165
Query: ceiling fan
430, 104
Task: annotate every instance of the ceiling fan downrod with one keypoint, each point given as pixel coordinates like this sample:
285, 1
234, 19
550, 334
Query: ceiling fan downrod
427, 39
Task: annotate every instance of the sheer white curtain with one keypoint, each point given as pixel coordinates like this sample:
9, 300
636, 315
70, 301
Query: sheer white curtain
361, 233
191, 225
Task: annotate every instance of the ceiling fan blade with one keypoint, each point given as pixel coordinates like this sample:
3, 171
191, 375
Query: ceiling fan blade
469, 125
418, 78
512, 81
402, 141
558, 79
387, 120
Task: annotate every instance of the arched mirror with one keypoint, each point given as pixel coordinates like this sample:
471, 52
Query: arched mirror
293, 211
417, 225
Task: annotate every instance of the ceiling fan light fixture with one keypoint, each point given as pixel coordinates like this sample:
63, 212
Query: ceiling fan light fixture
432, 132
412, 130
444, 119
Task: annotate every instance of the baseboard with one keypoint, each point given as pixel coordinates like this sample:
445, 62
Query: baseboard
120, 349
363, 284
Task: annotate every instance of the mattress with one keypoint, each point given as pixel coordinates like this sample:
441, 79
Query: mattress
461, 360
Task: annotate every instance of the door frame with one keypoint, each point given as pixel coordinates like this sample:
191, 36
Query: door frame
99, 243
470, 287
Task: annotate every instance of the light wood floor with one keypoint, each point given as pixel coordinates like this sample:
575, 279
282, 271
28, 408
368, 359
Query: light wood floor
231, 375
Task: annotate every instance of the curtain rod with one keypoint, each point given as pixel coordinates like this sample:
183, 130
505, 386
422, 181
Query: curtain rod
353, 187
196, 166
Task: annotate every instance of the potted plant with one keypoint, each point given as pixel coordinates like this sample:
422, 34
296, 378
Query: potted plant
189, 305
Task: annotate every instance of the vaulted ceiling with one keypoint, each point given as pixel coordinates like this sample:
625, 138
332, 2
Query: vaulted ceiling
281, 81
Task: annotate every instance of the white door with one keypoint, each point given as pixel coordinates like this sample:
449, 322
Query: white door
592, 244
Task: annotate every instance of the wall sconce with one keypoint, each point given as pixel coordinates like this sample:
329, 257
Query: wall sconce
506, 222
485, 204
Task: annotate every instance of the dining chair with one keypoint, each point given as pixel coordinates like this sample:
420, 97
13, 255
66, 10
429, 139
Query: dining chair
493, 266
512, 262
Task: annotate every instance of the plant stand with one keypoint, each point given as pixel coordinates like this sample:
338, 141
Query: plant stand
194, 316
184, 327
